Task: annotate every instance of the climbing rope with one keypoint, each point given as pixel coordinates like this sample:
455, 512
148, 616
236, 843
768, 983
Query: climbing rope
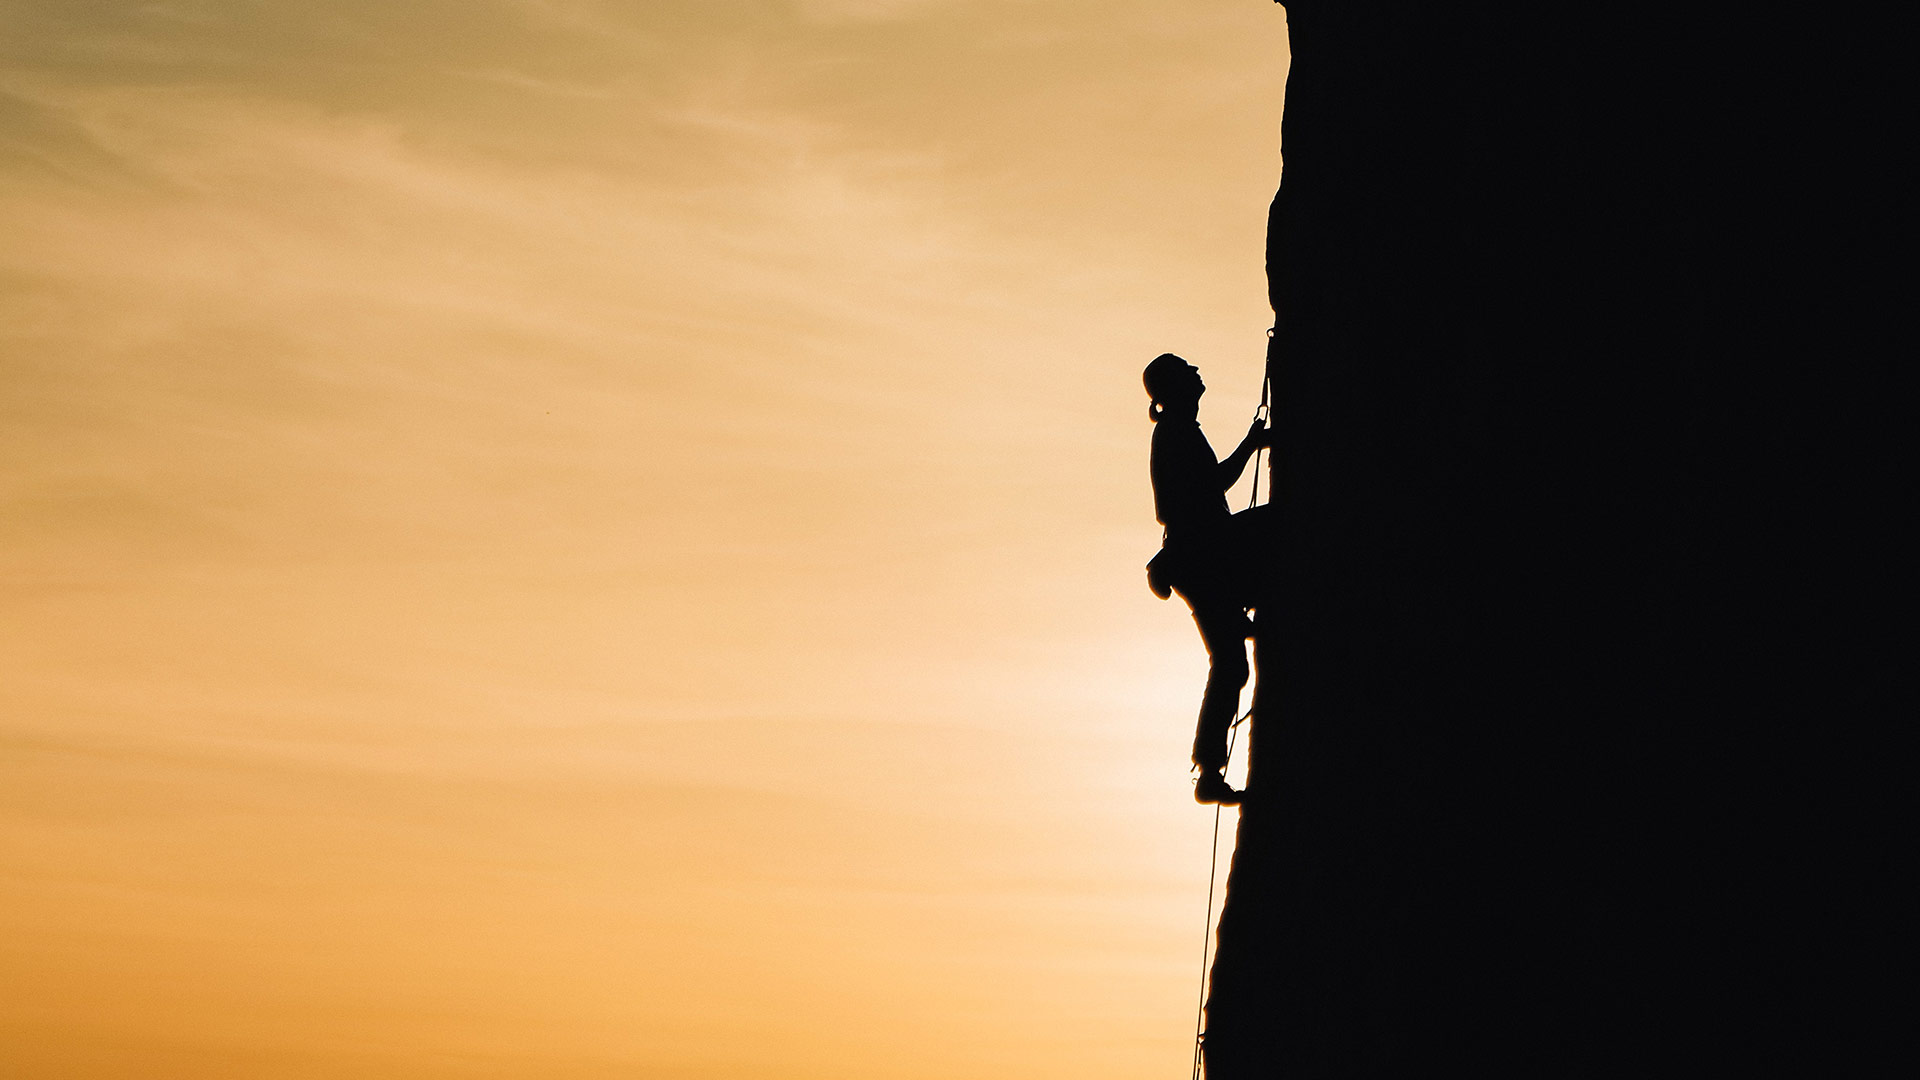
1264, 412
1206, 938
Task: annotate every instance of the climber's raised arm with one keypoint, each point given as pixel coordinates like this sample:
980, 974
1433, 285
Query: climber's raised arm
1259, 436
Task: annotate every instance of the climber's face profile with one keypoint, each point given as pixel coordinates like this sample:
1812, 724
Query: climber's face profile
1171, 380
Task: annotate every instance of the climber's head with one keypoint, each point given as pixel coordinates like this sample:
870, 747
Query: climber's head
1172, 383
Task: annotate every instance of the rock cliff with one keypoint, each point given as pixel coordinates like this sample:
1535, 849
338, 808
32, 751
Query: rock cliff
1513, 653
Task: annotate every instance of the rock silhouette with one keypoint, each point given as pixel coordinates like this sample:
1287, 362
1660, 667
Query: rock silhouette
1518, 612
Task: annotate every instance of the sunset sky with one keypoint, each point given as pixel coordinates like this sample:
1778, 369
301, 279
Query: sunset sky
574, 538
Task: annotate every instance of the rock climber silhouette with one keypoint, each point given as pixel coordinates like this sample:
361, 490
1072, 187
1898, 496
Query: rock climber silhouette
1205, 554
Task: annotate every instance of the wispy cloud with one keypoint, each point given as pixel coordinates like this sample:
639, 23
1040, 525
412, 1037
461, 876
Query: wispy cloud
560, 501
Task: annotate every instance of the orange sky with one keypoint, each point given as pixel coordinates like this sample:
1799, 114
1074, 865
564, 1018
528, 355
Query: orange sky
563, 538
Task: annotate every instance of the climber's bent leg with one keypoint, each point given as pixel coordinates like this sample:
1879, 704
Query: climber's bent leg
1224, 628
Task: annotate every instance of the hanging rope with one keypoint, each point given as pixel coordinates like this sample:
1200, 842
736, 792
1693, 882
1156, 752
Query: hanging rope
1206, 939
1264, 412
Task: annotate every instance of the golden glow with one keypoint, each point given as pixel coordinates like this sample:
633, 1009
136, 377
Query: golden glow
552, 538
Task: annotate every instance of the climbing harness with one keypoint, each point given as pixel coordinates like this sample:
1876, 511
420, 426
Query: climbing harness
1264, 412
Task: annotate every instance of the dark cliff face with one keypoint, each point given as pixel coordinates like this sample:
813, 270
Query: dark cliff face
1515, 653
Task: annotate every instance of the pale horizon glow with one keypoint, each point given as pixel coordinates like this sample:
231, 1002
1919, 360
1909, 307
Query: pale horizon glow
551, 538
